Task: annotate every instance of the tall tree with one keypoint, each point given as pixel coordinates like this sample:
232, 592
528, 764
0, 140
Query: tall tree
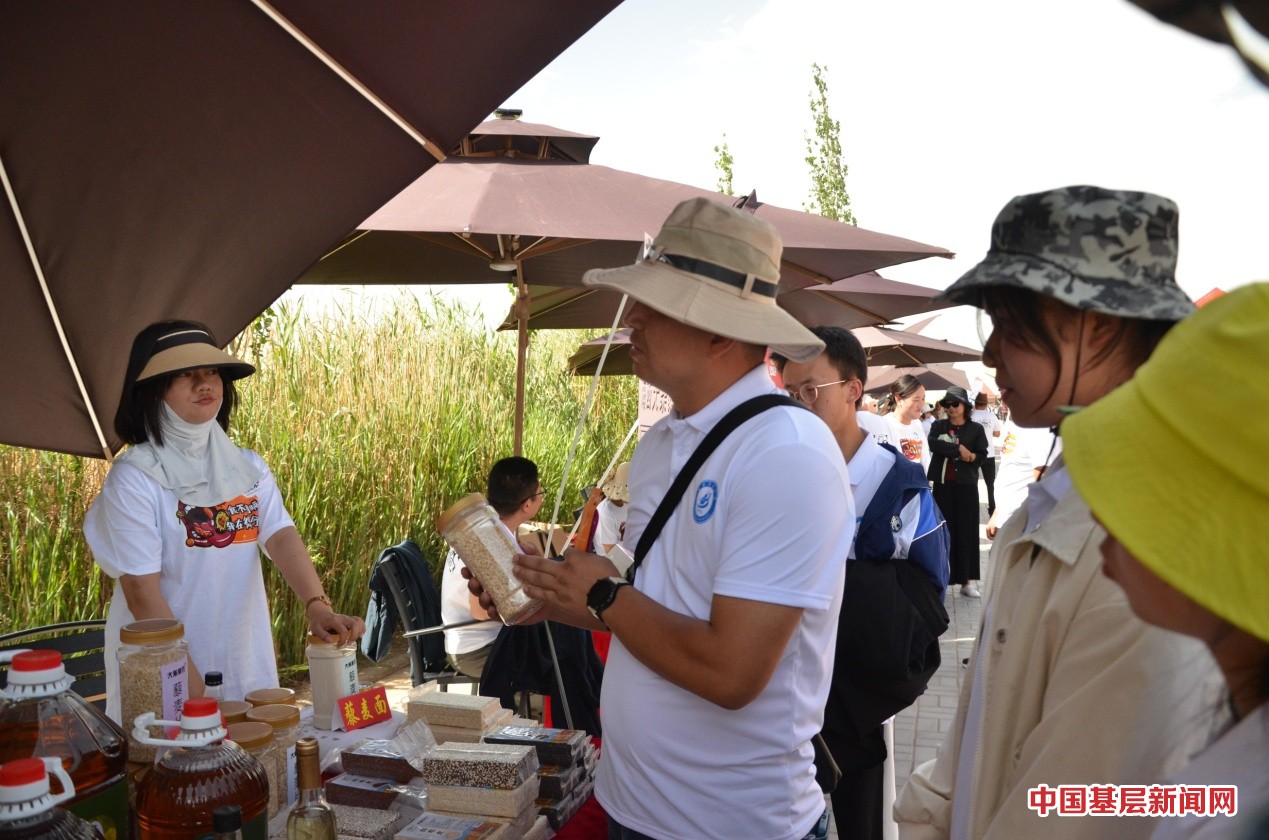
723, 163
824, 157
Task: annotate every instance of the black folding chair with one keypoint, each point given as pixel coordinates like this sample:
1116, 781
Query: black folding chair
82, 645
418, 607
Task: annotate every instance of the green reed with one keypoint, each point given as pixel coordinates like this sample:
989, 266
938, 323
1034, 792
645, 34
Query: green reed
371, 426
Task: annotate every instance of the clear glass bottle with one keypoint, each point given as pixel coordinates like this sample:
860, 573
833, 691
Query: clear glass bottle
214, 685
204, 770
332, 672
153, 675
41, 716
477, 535
312, 818
27, 809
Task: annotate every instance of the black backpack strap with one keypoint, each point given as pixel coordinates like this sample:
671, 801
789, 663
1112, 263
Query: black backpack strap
734, 418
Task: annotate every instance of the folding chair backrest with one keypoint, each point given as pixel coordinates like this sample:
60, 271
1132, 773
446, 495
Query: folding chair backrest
418, 604
81, 644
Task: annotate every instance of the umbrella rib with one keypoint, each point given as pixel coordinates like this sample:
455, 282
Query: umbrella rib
52, 310
339, 70
881, 319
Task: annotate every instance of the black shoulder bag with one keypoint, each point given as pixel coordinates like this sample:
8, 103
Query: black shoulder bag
827, 773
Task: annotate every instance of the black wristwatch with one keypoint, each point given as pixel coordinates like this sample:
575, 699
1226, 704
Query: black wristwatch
602, 594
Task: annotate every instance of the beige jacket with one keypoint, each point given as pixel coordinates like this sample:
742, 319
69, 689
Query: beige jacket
1077, 690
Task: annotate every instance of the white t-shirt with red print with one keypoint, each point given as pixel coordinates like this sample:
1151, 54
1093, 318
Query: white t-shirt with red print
911, 440
208, 559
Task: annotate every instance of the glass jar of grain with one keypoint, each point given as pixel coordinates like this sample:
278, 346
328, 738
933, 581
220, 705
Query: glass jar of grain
271, 697
153, 675
257, 739
285, 721
486, 546
234, 711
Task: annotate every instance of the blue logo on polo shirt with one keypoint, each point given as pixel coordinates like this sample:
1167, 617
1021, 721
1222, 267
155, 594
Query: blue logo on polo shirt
706, 501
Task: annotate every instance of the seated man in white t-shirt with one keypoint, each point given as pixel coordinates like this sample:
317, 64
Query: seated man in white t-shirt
515, 492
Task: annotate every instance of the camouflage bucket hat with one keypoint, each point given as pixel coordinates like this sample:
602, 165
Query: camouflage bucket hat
1110, 251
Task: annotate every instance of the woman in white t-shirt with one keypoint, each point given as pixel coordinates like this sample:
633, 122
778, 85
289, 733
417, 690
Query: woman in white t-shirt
184, 513
908, 434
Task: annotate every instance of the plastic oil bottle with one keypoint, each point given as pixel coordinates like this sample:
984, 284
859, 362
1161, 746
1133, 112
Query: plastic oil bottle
41, 716
201, 772
28, 809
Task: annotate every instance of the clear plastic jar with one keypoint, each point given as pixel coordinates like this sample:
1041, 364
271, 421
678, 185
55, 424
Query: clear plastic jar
234, 711
285, 721
332, 673
153, 675
257, 739
477, 535
271, 697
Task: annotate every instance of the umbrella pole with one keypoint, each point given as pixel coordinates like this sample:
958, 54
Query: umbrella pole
522, 354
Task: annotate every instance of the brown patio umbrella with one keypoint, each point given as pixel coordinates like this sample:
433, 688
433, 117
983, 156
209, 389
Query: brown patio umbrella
882, 346
933, 377
189, 160
860, 301
546, 222
899, 347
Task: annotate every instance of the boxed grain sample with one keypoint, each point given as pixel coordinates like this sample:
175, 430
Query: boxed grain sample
475, 800
504, 766
517, 826
461, 734
441, 708
361, 791
367, 823
432, 826
561, 747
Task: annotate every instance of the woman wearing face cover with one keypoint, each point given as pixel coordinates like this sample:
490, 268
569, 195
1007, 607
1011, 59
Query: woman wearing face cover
1177, 532
184, 513
958, 446
1064, 685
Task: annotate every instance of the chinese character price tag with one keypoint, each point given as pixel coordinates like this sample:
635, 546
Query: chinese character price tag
364, 708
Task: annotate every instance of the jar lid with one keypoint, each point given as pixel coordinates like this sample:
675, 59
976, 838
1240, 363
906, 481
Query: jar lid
250, 734
451, 514
277, 716
270, 696
152, 631
235, 711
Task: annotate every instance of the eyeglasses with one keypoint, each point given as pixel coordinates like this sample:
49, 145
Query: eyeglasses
808, 394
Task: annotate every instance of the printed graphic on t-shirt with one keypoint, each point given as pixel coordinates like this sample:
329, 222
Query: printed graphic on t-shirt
911, 448
235, 521
1011, 441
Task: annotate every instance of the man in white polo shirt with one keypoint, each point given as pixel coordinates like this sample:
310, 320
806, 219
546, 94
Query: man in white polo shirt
723, 646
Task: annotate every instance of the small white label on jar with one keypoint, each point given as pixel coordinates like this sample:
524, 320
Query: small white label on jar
175, 687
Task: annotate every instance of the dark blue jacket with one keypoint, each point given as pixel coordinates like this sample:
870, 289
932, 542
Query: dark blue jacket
905, 492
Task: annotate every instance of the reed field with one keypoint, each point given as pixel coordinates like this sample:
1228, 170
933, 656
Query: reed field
371, 425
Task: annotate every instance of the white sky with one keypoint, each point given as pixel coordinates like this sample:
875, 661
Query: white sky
947, 110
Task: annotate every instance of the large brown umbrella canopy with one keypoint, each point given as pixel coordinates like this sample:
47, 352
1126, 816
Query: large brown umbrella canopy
191, 159
851, 302
933, 377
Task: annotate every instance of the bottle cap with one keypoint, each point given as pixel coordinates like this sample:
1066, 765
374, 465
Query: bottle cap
270, 696
152, 631
198, 713
278, 716
38, 668
250, 735
213, 678
452, 513
226, 818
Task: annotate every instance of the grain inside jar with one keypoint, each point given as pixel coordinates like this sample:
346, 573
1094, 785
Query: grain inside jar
473, 530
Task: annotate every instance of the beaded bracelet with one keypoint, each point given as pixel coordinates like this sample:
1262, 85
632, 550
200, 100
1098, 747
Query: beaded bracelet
323, 598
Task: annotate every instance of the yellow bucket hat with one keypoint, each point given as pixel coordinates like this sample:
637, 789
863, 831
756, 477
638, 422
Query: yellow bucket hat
1186, 490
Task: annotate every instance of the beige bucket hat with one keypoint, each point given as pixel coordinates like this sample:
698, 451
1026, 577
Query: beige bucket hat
187, 348
615, 485
716, 268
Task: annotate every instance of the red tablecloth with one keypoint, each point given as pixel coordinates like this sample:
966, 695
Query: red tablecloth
589, 823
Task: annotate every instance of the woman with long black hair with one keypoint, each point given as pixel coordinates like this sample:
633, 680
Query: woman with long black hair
958, 446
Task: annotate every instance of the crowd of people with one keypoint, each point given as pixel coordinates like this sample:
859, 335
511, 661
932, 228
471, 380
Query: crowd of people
779, 535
